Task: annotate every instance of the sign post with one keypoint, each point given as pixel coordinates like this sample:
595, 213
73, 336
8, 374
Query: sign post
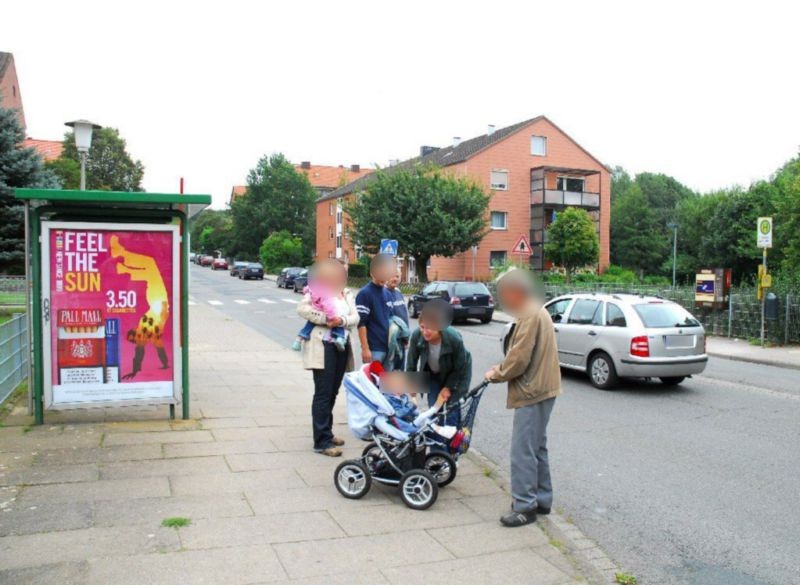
764, 241
522, 248
109, 275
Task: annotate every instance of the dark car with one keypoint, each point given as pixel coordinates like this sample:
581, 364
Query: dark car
300, 281
252, 270
287, 275
237, 266
470, 300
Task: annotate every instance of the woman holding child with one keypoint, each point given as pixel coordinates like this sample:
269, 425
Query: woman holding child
330, 309
437, 349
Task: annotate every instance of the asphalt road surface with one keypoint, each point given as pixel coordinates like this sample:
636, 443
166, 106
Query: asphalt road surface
697, 485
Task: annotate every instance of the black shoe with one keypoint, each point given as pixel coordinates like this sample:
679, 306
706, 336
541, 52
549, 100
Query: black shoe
542, 511
515, 519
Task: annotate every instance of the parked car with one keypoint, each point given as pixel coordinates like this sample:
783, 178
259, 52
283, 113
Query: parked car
237, 266
612, 336
470, 300
287, 275
300, 281
206, 260
219, 264
252, 270
192, 257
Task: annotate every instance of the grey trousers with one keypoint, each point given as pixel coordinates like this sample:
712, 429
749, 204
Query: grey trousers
530, 468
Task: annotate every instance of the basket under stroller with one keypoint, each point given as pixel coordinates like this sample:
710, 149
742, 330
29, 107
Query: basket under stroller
419, 462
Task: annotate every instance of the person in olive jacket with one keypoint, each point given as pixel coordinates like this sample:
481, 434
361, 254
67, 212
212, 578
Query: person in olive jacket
437, 349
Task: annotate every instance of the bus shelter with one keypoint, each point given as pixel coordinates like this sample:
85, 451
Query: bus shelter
108, 307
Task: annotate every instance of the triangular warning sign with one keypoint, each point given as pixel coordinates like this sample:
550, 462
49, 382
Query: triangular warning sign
522, 246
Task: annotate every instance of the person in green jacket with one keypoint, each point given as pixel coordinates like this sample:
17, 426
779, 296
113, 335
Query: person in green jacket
437, 349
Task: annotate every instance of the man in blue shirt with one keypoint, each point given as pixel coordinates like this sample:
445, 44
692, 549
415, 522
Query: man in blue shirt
398, 309
374, 307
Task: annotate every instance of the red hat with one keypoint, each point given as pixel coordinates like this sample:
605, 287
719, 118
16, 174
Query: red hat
375, 369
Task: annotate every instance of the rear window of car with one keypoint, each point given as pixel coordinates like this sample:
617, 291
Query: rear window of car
255, 265
661, 315
467, 289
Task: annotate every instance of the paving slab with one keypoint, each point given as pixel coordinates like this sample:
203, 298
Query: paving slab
257, 482
74, 455
45, 517
304, 499
153, 510
164, 467
522, 566
241, 565
128, 438
362, 578
108, 489
486, 537
395, 517
222, 532
50, 474
329, 557
49, 574
76, 545
228, 423
215, 448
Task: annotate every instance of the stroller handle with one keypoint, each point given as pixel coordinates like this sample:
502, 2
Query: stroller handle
477, 389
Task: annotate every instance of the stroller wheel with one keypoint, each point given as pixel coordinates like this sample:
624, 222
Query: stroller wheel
352, 479
418, 489
442, 467
371, 456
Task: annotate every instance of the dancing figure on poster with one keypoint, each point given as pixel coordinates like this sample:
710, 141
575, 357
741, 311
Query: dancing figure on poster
150, 327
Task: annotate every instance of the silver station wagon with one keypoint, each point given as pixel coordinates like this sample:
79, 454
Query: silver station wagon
612, 336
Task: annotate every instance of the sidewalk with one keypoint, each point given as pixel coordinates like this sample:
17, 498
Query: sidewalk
732, 349
83, 497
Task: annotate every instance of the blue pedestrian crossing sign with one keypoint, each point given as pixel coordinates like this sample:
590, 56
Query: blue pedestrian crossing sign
389, 247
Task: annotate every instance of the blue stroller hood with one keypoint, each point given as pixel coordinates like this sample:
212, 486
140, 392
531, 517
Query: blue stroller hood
364, 402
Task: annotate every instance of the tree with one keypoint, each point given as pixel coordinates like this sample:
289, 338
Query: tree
428, 212
109, 167
277, 198
212, 230
787, 216
639, 243
19, 167
620, 182
281, 249
572, 241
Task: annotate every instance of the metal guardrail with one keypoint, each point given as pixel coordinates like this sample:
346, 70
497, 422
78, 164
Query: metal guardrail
13, 354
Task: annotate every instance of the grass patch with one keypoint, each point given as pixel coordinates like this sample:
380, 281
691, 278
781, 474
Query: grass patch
557, 544
488, 472
175, 522
20, 393
27, 429
625, 579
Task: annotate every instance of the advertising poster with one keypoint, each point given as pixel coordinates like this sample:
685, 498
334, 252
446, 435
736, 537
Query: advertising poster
112, 313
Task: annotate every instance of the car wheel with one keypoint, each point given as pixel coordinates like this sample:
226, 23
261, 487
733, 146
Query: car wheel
260, 278
672, 380
412, 309
602, 373
487, 319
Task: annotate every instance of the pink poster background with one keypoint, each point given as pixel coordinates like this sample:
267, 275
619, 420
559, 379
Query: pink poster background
157, 245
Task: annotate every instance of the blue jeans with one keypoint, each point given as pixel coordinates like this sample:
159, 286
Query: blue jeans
379, 356
305, 332
453, 417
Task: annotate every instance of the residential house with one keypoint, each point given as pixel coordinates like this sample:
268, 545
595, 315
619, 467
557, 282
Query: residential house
532, 170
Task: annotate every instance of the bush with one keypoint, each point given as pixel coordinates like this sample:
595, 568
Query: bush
657, 281
358, 270
618, 275
281, 249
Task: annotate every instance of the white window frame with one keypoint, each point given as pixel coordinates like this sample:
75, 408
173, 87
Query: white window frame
544, 141
493, 185
504, 214
565, 177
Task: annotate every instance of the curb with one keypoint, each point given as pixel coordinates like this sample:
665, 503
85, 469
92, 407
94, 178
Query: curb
760, 361
583, 552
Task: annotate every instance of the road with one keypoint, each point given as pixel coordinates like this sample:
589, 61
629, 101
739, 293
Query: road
697, 485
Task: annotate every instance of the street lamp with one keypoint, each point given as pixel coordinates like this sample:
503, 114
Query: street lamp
674, 227
83, 140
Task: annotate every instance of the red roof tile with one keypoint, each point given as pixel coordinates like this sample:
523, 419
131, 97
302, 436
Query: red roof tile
47, 149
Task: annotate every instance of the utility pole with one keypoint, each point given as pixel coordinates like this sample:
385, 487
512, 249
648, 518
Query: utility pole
674, 227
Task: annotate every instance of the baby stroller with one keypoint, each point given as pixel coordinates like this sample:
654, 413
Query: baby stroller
398, 458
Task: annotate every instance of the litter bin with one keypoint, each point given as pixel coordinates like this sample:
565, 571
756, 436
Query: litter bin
771, 306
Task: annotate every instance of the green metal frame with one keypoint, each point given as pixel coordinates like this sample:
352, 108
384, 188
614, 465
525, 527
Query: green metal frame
131, 207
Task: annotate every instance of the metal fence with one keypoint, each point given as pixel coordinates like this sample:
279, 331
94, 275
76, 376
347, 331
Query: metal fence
741, 319
12, 290
13, 354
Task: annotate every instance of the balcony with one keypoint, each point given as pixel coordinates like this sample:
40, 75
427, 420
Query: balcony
569, 187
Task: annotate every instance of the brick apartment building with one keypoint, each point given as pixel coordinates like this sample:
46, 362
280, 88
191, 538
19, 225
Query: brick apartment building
323, 178
11, 99
532, 169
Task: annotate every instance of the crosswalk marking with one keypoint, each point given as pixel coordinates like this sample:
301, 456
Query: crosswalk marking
241, 302
214, 302
293, 301
266, 301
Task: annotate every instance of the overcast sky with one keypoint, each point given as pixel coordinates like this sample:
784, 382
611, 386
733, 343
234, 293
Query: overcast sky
704, 91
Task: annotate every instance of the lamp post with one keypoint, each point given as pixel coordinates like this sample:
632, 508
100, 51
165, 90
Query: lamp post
83, 140
674, 227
